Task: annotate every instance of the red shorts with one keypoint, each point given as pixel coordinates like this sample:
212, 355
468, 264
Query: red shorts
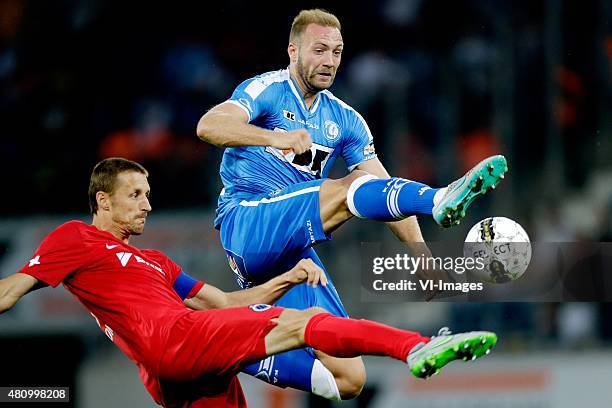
205, 351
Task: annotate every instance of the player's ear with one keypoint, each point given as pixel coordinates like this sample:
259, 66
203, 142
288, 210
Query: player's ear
103, 200
292, 50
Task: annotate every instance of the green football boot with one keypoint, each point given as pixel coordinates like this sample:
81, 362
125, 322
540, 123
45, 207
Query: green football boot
479, 180
427, 359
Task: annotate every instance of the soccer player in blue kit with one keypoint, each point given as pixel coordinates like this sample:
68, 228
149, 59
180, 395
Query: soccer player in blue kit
282, 131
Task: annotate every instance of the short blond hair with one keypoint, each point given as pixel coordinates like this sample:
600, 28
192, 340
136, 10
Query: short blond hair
313, 16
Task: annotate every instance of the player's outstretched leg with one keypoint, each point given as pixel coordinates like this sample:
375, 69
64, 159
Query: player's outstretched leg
395, 198
479, 180
342, 337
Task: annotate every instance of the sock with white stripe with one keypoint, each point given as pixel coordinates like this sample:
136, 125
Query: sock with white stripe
389, 199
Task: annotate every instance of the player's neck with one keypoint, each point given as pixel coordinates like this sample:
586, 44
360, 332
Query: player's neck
307, 94
107, 225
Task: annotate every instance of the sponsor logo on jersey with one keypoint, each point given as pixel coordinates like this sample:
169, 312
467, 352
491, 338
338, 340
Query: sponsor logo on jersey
157, 268
34, 261
124, 257
108, 246
369, 149
332, 130
289, 115
307, 124
260, 307
312, 161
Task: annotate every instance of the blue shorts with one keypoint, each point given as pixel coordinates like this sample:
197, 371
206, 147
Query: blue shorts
268, 234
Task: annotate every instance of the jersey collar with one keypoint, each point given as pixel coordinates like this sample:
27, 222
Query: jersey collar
300, 99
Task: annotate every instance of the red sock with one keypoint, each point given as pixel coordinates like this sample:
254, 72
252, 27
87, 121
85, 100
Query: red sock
342, 337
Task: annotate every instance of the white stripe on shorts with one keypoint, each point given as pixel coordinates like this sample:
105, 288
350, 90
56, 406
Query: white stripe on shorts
246, 203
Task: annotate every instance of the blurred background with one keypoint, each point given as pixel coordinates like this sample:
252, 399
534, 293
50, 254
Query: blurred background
441, 83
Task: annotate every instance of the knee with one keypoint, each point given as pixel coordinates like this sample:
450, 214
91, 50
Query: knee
315, 310
341, 186
350, 382
303, 317
354, 175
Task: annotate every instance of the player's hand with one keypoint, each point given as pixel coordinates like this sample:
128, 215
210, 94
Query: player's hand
298, 140
307, 271
434, 275
431, 274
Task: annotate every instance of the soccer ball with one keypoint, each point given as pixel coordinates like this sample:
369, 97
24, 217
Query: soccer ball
503, 247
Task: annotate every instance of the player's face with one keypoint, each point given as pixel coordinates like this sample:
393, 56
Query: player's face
318, 57
130, 202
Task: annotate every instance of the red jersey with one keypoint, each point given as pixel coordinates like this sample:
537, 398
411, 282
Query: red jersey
185, 357
128, 290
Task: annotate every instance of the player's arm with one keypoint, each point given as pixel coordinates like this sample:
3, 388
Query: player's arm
14, 288
227, 125
210, 297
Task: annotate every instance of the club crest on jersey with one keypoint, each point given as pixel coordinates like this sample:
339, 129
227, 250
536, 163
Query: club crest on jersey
289, 115
260, 307
332, 130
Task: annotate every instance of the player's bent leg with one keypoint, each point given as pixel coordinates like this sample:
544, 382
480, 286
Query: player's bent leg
364, 195
295, 369
332, 200
349, 374
288, 334
300, 368
337, 378
393, 199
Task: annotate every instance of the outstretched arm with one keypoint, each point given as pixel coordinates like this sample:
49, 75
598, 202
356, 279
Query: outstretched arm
14, 288
226, 125
210, 297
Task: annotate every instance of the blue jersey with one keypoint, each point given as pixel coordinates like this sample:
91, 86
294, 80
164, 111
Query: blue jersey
273, 102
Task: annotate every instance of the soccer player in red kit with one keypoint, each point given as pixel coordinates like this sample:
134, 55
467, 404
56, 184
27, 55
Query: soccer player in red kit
190, 339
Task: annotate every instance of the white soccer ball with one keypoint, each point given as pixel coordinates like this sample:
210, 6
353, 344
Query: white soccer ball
503, 247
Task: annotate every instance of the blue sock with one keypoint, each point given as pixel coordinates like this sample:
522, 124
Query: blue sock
389, 199
290, 369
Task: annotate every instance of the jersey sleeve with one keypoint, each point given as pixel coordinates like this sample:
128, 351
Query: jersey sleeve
359, 143
254, 97
61, 253
186, 287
